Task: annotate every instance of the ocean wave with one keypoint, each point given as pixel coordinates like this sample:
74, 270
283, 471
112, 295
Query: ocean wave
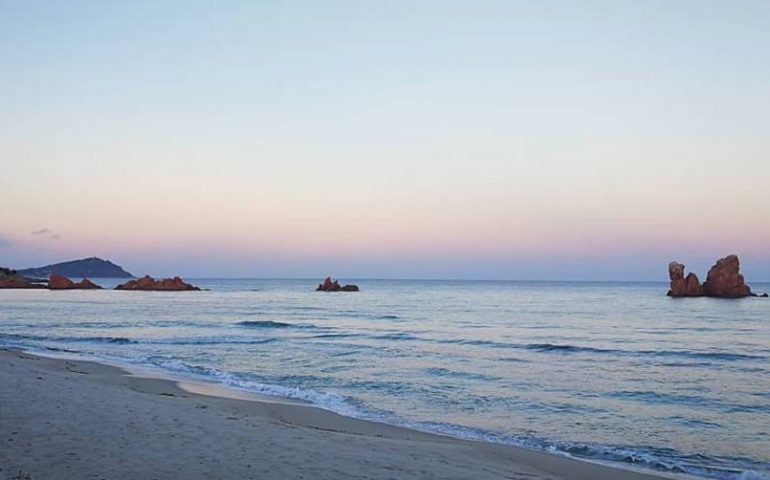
663, 460
706, 357
211, 340
551, 347
66, 324
336, 335
119, 340
395, 336
728, 356
445, 372
266, 324
328, 401
41, 338
314, 312
667, 460
714, 355
569, 348
361, 315
479, 343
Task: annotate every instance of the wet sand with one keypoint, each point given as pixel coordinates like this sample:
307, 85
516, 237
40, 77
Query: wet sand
74, 419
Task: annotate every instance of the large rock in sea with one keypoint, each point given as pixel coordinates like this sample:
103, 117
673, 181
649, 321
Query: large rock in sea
175, 284
60, 282
333, 286
725, 280
682, 286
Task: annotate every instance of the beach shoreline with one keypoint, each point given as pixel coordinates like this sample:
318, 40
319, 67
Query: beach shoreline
74, 418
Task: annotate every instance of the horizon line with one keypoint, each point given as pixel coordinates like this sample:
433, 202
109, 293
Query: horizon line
432, 279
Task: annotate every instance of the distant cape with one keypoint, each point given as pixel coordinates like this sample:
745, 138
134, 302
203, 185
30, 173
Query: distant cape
92, 267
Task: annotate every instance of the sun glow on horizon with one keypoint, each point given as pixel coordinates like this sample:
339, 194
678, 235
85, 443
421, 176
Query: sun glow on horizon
495, 135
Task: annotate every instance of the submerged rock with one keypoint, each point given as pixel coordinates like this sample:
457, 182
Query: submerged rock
60, 282
148, 283
682, 286
333, 286
725, 280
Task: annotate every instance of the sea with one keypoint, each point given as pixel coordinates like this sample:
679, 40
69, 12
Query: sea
612, 372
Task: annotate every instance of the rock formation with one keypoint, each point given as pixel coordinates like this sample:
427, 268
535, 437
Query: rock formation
333, 286
10, 278
148, 283
724, 279
60, 282
18, 282
682, 286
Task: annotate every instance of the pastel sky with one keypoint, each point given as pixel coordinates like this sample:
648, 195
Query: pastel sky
386, 139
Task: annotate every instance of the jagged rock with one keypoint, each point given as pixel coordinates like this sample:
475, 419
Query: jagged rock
693, 288
682, 286
148, 283
676, 275
675, 271
724, 279
60, 282
87, 284
764, 295
333, 286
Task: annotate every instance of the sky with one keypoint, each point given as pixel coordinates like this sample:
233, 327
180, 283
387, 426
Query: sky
593, 140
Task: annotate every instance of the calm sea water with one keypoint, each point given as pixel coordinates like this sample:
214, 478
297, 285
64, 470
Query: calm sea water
610, 371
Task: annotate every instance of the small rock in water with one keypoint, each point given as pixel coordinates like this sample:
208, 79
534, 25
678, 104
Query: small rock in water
333, 286
149, 283
60, 282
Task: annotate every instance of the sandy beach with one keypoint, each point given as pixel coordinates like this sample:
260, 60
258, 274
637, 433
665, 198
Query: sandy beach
74, 419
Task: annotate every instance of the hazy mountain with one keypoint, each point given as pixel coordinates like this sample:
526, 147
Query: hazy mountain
92, 267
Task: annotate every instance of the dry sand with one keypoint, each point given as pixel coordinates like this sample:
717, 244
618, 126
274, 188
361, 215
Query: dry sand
74, 419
